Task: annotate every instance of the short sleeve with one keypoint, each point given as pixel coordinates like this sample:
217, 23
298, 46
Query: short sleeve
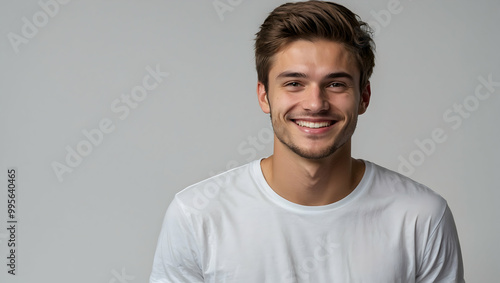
442, 261
177, 254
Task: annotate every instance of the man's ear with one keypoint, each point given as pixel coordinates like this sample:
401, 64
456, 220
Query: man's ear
263, 99
364, 100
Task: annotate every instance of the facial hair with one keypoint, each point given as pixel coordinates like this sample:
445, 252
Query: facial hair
342, 137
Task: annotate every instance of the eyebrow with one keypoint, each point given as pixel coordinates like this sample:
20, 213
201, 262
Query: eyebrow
339, 75
289, 74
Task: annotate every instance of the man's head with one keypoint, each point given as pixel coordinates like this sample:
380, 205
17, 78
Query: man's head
314, 20
314, 60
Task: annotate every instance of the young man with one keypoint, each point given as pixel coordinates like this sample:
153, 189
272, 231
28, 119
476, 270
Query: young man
310, 212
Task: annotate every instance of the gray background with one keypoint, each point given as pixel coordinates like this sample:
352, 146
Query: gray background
101, 221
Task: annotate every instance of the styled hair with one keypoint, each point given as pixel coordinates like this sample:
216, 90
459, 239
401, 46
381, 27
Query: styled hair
314, 20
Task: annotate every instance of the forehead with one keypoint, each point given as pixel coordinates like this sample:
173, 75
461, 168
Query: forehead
314, 58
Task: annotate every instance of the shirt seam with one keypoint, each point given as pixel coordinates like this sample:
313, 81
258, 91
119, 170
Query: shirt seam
427, 249
191, 231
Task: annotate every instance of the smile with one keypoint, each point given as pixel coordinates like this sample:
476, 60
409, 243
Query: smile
313, 125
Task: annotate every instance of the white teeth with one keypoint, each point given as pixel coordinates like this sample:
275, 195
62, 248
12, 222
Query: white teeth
313, 125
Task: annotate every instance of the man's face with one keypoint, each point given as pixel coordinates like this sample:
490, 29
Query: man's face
313, 97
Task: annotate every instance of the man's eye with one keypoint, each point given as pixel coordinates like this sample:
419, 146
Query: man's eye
293, 84
336, 84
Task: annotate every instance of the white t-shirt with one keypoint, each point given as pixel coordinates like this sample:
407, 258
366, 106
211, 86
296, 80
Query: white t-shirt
234, 228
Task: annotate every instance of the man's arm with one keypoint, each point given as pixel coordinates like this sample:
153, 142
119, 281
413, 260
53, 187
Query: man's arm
442, 259
177, 254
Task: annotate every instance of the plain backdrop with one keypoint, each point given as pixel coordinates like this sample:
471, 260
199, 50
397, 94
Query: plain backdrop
67, 68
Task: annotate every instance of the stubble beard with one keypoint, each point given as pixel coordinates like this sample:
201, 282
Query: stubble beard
341, 140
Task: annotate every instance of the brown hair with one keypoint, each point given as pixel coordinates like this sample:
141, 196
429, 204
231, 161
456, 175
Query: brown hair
310, 21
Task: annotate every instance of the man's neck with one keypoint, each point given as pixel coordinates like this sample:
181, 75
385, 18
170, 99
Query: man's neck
312, 182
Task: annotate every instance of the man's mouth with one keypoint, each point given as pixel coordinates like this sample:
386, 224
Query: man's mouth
313, 125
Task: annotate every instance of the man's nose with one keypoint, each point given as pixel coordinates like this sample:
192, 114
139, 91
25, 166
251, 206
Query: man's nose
315, 99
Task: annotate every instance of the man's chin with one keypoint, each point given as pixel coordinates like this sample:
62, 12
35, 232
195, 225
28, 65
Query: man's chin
314, 150
316, 154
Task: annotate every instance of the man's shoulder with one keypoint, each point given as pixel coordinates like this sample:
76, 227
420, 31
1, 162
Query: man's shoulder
214, 189
405, 192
